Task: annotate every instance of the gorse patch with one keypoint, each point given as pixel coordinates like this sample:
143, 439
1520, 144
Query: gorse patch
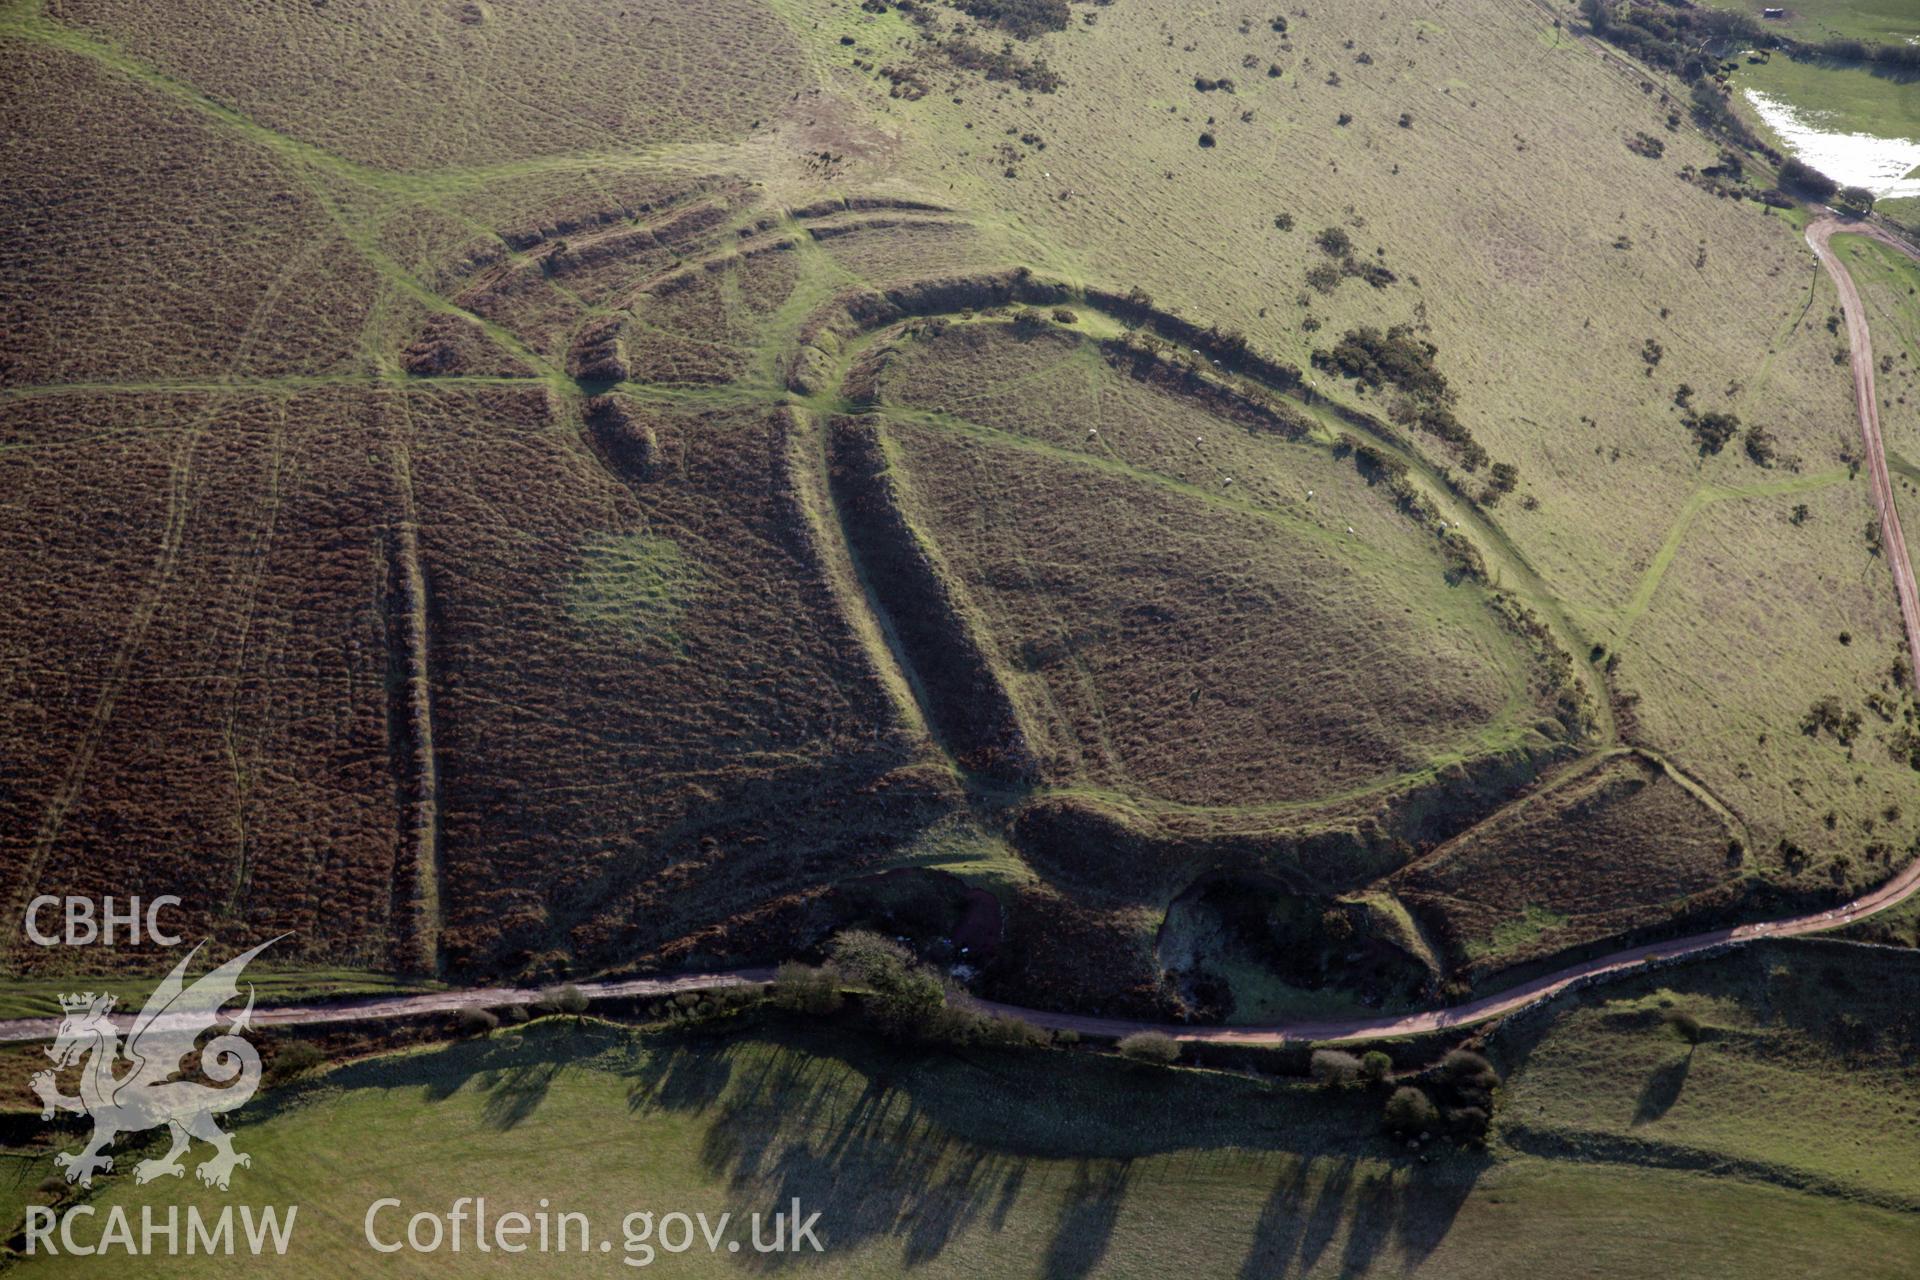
634, 584
1024, 18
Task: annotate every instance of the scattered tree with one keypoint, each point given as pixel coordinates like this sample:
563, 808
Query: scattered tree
903, 996
866, 956
1711, 431
1684, 1025
1829, 716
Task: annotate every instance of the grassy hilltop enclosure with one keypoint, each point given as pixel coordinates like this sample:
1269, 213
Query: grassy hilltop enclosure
1187, 611
513, 491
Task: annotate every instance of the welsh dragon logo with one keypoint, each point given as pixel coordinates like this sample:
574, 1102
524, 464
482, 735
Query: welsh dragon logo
145, 1095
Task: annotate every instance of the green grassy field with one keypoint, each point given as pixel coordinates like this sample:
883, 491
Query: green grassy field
1883, 21
1045, 1163
1800, 1073
1842, 100
1845, 99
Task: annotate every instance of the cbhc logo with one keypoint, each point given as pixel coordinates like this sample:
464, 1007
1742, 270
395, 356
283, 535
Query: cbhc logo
85, 925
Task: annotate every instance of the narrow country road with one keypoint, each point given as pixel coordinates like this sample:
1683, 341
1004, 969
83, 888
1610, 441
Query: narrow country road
1894, 891
1861, 344
377, 1008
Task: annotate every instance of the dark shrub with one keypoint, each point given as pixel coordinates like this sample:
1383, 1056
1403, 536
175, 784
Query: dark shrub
475, 1022
1464, 1067
1150, 1046
800, 988
1335, 242
1711, 431
1024, 18
1803, 179
1335, 1069
1410, 1112
1854, 200
293, 1061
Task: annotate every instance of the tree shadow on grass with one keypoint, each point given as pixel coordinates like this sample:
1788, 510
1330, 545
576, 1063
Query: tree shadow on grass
516, 1093
1662, 1090
1381, 1209
1281, 1226
679, 1078
442, 1072
922, 1146
1081, 1236
854, 1148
